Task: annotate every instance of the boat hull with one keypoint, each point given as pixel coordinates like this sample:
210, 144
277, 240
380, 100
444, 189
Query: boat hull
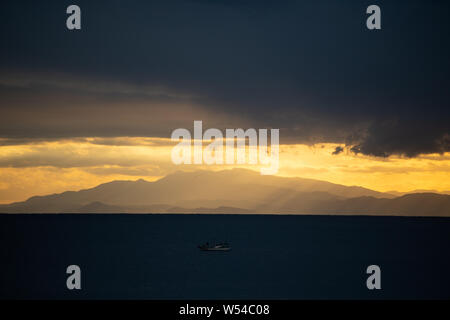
215, 249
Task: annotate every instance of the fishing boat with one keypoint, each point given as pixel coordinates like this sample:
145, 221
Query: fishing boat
223, 246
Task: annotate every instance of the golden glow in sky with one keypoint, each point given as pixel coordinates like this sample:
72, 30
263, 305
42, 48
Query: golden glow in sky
45, 167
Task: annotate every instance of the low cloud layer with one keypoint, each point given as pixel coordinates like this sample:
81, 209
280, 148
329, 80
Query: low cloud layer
408, 138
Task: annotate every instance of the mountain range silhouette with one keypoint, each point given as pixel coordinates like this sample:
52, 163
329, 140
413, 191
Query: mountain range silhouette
233, 191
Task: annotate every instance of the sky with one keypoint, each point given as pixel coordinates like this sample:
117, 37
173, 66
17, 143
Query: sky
354, 106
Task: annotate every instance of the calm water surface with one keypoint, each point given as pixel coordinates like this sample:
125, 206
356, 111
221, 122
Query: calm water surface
272, 257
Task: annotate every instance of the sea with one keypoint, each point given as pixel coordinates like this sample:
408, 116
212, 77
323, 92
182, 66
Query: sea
156, 256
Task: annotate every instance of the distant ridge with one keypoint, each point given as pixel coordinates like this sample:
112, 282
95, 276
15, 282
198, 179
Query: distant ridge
398, 194
233, 191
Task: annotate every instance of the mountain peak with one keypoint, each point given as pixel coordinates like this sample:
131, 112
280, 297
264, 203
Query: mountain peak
242, 189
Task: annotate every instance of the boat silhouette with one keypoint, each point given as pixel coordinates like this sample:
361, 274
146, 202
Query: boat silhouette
222, 246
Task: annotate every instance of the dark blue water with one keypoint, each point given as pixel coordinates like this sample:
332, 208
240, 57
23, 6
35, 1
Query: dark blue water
272, 257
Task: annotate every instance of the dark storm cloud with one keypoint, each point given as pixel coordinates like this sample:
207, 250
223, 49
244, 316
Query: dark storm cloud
389, 137
310, 68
